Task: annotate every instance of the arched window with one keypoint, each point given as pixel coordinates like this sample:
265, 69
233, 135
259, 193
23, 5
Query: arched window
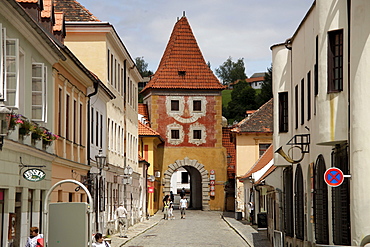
299, 203
321, 203
288, 202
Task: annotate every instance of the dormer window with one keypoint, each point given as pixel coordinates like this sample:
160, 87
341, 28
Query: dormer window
182, 72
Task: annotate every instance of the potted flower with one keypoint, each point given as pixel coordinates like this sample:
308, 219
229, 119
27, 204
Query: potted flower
15, 119
48, 137
25, 126
37, 132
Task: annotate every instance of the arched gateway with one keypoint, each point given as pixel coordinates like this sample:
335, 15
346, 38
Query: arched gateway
199, 181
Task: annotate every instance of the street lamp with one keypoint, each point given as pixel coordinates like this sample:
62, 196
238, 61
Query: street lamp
5, 116
100, 160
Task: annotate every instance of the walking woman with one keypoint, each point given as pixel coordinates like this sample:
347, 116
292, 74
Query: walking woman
166, 205
183, 206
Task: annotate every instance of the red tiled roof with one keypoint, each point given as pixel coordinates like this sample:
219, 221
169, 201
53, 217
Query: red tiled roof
145, 130
74, 11
182, 65
143, 110
260, 121
46, 13
268, 172
27, 1
230, 148
255, 79
266, 157
58, 25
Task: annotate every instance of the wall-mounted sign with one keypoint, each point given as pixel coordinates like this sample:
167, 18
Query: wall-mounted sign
150, 189
34, 175
212, 177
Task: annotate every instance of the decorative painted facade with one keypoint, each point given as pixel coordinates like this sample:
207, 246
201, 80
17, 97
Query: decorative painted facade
184, 105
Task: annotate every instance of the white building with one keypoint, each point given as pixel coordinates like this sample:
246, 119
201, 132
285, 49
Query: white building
320, 84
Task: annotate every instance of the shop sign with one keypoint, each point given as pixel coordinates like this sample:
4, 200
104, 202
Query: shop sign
34, 175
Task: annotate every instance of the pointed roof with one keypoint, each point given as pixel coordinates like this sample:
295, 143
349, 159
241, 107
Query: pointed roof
74, 11
259, 121
145, 130
182, 65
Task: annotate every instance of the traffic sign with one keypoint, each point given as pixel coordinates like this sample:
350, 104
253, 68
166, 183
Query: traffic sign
333, 177
212, 172
212, 182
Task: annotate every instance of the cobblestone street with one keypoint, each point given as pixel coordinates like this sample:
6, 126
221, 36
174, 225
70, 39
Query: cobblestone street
200, 228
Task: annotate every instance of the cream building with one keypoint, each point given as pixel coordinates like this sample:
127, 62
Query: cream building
320, 89
101, 50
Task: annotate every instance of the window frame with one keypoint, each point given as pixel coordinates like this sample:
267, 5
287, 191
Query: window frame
174, 109
335, 61
42, 92
283, 112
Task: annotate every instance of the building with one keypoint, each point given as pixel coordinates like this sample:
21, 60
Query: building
256, 80
252, 137
97, 45
185, 108
320, 77
26, 84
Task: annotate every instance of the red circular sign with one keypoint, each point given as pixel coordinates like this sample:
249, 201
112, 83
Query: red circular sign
333, 177
212, 172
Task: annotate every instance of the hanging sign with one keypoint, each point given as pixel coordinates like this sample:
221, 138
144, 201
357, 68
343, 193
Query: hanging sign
34, 175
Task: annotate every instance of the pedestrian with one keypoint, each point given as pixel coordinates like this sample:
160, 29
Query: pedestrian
121, 216
182, 193
99, 242
166, 205
35, 239
172, 196
183, 206
170, 211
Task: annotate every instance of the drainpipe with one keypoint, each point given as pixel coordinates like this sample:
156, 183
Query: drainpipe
96, 86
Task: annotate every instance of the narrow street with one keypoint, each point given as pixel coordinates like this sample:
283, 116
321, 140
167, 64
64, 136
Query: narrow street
200, 228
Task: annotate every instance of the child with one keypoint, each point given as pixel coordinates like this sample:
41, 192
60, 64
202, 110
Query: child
170, 211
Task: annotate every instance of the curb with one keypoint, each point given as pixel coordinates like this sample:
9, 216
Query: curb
238, 232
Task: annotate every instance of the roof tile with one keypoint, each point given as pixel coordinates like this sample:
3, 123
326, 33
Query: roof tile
74, 11
182, 65
145, 130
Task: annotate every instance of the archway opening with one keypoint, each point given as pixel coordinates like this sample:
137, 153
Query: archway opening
187, 180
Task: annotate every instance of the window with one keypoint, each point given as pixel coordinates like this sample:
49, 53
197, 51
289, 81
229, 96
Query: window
317, 67
302, 101
12, 68
81, 121
299, 203
335, 61
197, 134
296, 106
101, 131
75, 123
308, 95
108, 58
92, 126
283, 112
197, 105
175, 134
182, 73
184, 177
175, 105
263, 148
97, 129
38, 91
288, 202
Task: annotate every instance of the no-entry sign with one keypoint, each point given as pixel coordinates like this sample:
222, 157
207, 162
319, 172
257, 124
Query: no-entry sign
333, 177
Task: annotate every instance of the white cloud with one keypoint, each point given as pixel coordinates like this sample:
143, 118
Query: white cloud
237, 28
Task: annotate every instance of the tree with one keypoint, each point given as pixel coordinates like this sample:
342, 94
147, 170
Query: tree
266, 89
142, 66
231, 71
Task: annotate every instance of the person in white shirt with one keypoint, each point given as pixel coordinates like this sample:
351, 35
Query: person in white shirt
35, 239
99, 241
121, 214
183, 206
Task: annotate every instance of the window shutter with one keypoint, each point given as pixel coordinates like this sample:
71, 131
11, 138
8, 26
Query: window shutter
299, 203
12, 68
38, 91
341, 200
321, 203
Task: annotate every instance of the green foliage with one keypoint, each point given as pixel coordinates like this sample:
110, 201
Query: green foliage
244, 98
142, 66
226, 96
231, 71
266, 90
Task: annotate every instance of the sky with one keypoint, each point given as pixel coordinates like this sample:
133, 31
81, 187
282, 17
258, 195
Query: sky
233, 28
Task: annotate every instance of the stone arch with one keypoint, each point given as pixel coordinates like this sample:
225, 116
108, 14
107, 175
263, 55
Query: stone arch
196, 165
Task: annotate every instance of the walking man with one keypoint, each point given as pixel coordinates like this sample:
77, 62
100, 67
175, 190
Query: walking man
183, 206
121, 214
